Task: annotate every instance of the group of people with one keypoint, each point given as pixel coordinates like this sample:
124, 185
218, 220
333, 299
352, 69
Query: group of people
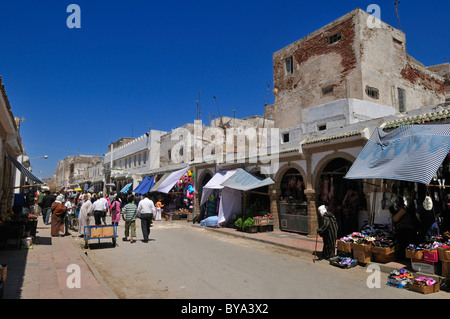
56, 209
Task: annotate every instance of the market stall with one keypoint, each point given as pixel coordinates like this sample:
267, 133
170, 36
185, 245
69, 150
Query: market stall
413, 163
177, 192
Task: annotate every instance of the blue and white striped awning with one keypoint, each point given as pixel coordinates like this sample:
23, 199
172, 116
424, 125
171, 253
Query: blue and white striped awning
411, 153
25, 171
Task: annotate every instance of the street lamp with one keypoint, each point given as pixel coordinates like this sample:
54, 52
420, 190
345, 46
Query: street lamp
45, 157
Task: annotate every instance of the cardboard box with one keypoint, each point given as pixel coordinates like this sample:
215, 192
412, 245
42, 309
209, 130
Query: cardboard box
96, 232
424, 289
383, 250
108, 231
344, 247
362, 256
414, 254
444, 253
446, 268
383, 258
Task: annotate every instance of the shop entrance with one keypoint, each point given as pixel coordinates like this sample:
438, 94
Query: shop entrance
343, 197
293, 210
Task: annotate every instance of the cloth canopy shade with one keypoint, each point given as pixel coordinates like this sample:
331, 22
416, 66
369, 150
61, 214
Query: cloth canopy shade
169, 180
126, 188
146, 185
411, 153
244, 181
215, 183
25, 171
231, 183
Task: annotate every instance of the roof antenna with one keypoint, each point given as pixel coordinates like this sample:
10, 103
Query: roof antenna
221, 124
398, 15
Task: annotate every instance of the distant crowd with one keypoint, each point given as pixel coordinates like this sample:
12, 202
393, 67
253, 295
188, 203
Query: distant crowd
60, 208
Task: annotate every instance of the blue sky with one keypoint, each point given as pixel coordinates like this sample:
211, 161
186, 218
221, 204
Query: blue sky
139, 62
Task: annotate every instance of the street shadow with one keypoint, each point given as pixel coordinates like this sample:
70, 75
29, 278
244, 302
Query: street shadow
101, 245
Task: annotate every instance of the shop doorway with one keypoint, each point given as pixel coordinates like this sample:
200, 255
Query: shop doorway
343, 197
257, 200
293, 207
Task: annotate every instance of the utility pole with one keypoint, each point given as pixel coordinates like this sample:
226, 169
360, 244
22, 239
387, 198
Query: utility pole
398, 15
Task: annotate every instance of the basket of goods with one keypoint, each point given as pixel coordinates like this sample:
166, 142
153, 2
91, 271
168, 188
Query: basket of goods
399, 278
424, 285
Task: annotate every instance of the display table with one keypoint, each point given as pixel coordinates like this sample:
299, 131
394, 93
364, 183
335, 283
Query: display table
294, 217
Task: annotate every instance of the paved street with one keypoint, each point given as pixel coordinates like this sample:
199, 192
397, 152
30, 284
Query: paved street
182, 261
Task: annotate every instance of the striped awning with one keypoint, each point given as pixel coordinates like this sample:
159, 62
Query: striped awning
411, 153
25, 171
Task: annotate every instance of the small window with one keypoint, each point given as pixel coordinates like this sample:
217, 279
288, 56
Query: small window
289, 65
372, 92
285, 137
322, 127
334, 38
328, 90
397, 41
401, 99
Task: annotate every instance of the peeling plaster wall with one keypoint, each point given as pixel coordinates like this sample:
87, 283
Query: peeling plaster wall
364, 58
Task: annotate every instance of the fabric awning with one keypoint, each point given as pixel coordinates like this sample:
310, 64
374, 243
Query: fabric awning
170, 180
215, 183
146, 185
244, 181
126, 188
25, 171
411, 153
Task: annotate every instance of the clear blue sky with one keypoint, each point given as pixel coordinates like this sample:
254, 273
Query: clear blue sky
137, 62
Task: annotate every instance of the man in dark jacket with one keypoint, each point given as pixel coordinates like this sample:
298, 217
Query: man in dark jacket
328, 231
47, 202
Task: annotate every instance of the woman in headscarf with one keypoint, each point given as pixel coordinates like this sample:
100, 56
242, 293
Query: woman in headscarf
85, 212
58, 212
328, 231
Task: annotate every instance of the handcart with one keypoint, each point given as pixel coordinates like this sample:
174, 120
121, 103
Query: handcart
100, 232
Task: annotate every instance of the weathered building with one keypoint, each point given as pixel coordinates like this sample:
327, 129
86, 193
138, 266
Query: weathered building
130, 159
72, 171
10, 145
350, 58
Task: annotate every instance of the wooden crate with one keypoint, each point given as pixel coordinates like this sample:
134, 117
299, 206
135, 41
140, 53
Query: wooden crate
424, 289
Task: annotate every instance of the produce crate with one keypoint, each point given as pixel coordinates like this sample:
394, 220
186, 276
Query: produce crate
424, 289
430, 255
265, 228
251, 229
446, 268
260, 221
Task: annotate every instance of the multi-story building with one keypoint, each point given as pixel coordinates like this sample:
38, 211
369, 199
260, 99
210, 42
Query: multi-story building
129, 160
71, 172
10, 149
332, 88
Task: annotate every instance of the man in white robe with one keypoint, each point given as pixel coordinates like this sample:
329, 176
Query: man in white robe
85, 212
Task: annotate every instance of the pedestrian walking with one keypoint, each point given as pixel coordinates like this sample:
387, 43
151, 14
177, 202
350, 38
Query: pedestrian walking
146, 211
85, 213
129, 213
328, 231
58, 211
159, 205
99, 209
47, 202
105, 202
69, 211
114, 208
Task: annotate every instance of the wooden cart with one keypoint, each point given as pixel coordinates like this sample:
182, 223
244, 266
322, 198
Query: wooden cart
100, 232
